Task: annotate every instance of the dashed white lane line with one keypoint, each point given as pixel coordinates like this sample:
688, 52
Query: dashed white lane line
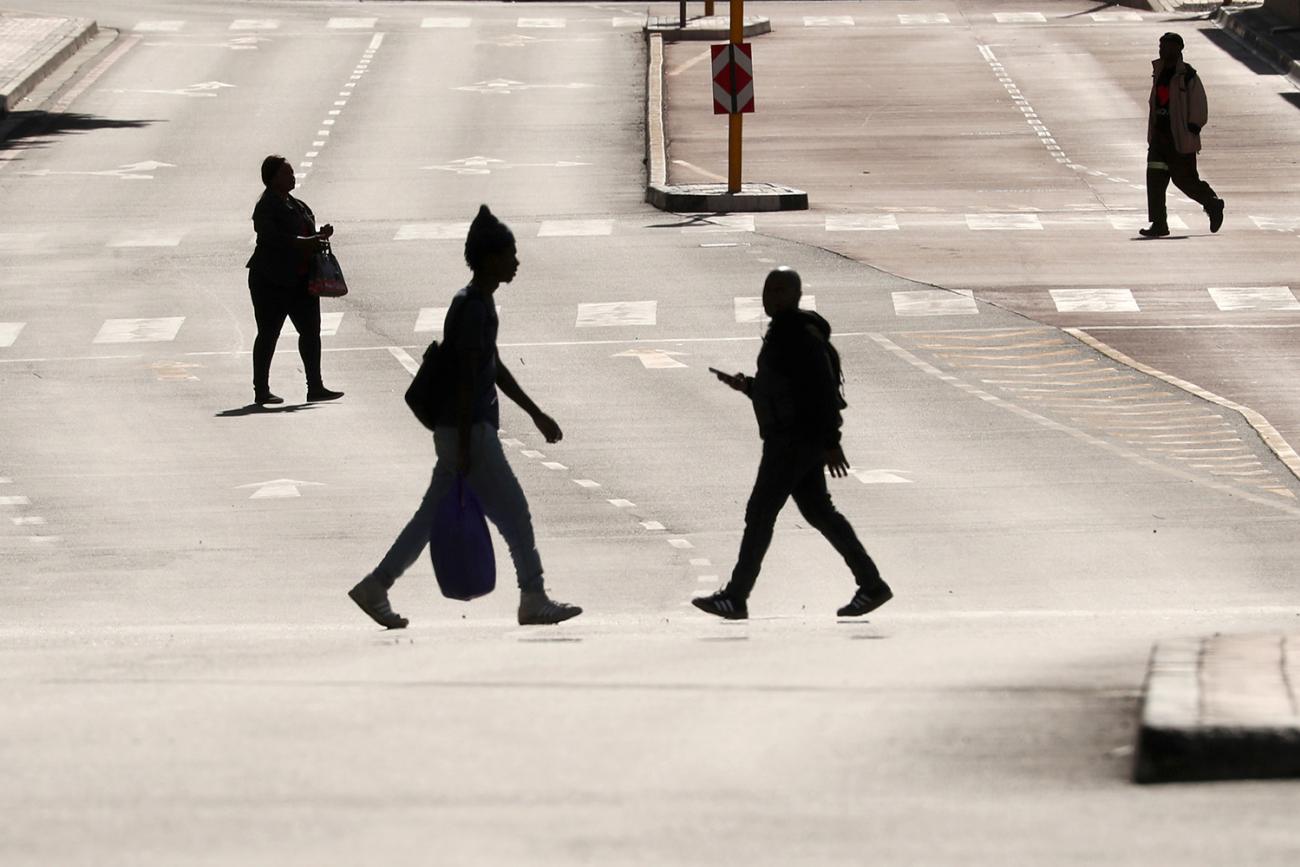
1226, 298
861, 223
586, 483
935, 302
1003, 222
159, 26
554, 465
935, 18
828, 21
139, 330
575, 228
351, 23
608, 314
654, 526
15, 500
254, 24
532, 453
701, 561
541, 23
1094, 301
1019, 17
681, 543
28, 521
445, 23
442, 231
622, 504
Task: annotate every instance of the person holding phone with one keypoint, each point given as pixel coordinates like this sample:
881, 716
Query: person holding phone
797, 398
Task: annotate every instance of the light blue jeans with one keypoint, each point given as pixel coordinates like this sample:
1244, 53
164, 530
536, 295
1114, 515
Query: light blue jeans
492, 480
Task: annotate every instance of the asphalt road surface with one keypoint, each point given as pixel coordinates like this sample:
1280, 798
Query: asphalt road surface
185, 681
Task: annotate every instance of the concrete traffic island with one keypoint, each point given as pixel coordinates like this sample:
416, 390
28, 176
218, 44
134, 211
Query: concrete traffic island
1223, 707
32, 46
698, 198
712, 28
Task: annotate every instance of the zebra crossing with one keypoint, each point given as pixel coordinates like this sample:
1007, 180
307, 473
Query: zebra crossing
535, 22
740, 310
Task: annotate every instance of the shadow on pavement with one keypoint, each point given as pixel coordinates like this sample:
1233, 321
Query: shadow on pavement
258, 409
1292, 97
32, 129
1237, 51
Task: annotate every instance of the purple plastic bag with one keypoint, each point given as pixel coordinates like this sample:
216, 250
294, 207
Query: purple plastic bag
463, 561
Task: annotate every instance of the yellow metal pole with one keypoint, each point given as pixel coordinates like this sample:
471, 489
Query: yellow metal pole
734, 123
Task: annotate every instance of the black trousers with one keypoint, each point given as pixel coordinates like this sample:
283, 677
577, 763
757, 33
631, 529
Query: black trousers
271, 306
1165, 163
798, 471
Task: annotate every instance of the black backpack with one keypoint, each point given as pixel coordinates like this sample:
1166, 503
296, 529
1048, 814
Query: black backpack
424, 396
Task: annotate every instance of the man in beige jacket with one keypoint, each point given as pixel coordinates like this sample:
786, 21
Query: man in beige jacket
1178, 112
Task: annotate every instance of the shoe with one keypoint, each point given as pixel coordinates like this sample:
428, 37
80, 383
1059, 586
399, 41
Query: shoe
538, 609
373, 599
1157, 230
320, 393
264, 398
722, 605
864, 602
1216, 215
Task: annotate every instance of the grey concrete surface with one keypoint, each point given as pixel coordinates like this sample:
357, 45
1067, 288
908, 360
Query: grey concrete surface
185, 682
31, 46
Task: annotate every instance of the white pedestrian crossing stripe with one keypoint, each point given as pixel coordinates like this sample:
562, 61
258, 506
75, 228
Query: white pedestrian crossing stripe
1277, 224
160, 237
574, 228
935, 302
1229, 298
254, 24
750, 309
723, 223
828, 21
159, 26
1094, 301
458, 23
329, 325
1133, 222
430, 319
861, 222
1020, 17
1002, 222
432, 232
628, 21
616, 313
542, 23
139, 330
937, 18
1108, 17
9, 332
352, 23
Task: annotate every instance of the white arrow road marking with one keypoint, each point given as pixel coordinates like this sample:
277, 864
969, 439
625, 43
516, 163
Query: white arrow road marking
129, 172
280, 488
202, 89
880, 477
657, 359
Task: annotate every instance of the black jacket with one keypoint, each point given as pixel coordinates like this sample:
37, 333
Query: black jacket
276, 260
796, 391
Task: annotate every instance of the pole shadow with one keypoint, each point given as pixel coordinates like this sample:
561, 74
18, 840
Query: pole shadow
258, 409
33, 130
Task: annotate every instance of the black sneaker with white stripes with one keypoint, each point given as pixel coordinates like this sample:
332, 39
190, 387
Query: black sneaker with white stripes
864, 602
538, 609
722, 605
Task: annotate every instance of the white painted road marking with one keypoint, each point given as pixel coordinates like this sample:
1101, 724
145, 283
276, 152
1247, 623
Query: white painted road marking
1133, 222
935, 302
139, 330
430, 319
607, 314
723, 223
861, 222
1020, 17
159, 26
14, 242
455, 231
542, 23
15, 501
828, 21
655, 359
329, 325
575, 228
938, 18
554, 465
1277, 224
586, 483
680, 543
1109, 17
1003, 222
880, 477
1228, 298
445, 22
156, 237
351, 23
749, 310
254, 24
1094, 301
622, 504
277, 489
9, 332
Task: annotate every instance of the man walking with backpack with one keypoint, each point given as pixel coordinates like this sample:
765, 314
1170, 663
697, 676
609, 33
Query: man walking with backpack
469, 372
797, 400
1178, 113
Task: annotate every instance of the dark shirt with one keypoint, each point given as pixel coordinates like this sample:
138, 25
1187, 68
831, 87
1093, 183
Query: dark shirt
472, 324
279, 223
1162, 98
795, 390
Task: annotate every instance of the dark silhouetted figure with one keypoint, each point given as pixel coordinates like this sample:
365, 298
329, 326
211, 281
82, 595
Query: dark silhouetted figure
466, 440
1178, 113
278, 272
797, 399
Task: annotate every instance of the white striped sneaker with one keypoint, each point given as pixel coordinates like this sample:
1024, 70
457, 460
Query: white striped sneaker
538, 609
722, 605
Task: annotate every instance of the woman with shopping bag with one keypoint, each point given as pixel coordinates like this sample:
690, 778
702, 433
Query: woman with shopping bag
281, 275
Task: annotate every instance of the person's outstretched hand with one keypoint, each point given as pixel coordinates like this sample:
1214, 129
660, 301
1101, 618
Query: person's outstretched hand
837, 463
550, 430
326, 231
738, 381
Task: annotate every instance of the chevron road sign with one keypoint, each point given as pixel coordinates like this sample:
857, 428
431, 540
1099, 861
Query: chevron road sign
733, 78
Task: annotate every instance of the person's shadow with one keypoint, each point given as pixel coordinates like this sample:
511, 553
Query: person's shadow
258, 409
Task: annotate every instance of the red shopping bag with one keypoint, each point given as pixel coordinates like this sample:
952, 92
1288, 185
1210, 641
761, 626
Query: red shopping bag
461, 547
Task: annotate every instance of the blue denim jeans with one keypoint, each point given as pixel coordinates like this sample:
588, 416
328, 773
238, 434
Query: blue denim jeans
491, 478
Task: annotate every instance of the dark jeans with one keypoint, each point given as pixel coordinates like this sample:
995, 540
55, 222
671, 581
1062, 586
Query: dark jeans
795, 470
1165, 163
271, 305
